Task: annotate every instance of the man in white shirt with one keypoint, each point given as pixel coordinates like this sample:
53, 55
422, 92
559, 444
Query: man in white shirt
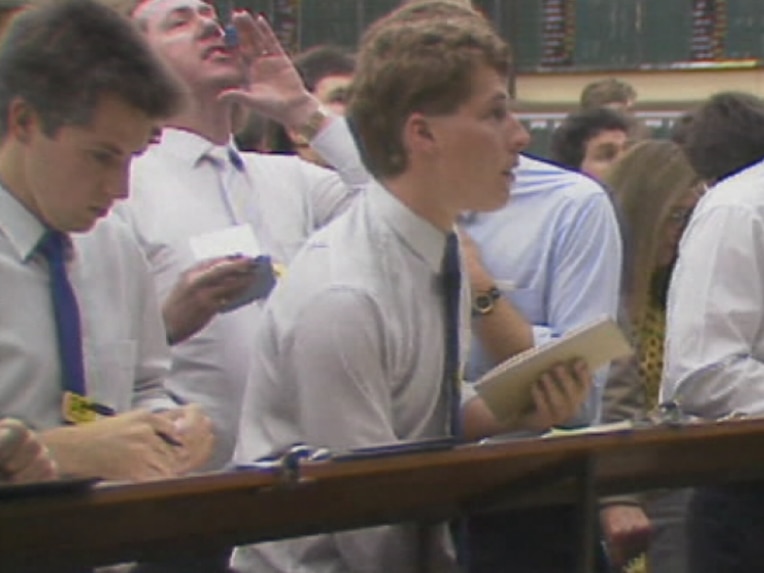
362, 343
80, 334
189, 185
714, 356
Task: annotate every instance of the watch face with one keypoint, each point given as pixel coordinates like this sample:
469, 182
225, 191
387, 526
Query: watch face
483, 303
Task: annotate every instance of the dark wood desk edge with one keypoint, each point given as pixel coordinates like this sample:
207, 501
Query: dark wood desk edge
213, 494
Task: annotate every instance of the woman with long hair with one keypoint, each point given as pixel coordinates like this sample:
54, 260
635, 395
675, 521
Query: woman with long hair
654, 189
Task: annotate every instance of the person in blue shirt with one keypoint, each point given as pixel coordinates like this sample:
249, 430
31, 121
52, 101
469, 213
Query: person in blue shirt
546, 263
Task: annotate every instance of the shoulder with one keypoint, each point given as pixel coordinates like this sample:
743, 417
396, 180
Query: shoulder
538, 176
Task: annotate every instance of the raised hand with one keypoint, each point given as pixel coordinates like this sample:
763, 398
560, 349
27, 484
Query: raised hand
272, 86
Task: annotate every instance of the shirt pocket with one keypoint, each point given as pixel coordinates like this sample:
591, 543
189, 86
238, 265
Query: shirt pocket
111, 373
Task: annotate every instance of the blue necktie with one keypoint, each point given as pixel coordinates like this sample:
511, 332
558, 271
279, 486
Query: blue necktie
53, 247
452, 281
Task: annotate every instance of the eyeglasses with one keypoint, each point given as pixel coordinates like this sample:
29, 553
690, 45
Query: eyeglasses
679, 216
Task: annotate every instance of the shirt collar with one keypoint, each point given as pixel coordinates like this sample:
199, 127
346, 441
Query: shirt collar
426, 240
19, 225
187, 145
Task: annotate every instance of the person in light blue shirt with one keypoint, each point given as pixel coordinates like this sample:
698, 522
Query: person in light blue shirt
554, 253
546, 263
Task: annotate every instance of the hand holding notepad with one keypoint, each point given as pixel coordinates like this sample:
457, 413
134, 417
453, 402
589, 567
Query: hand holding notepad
507, 389
227, 246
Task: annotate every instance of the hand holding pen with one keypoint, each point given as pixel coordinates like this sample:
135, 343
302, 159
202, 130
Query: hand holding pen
135, 446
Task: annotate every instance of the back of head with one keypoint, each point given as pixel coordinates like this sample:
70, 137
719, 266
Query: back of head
726, 134
123, 7
319, 62
419, 58
607, 92
568, 144
62, 58
650, 178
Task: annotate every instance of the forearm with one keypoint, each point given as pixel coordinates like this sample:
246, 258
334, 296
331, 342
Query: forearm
478, 421
733, 385
503, 332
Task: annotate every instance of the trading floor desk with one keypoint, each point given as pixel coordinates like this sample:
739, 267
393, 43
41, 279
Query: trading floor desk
116, 523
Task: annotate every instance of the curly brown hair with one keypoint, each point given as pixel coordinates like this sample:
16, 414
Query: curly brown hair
419, 58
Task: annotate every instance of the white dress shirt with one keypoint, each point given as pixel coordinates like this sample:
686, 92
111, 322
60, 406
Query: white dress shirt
125, 354
714, 353
350, 354
176, 194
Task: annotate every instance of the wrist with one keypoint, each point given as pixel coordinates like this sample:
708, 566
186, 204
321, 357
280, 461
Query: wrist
484, 300
306, 117
67, 447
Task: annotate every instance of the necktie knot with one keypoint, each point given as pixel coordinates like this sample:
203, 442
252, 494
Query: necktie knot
225, 156
53, 246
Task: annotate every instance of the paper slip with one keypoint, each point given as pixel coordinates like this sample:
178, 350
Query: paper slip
506, 389
239, 240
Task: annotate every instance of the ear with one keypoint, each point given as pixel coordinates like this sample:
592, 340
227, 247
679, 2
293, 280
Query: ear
23, 121
297, 139
418, 134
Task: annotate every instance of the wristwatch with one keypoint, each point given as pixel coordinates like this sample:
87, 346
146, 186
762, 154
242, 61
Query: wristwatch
483, 303
313, 125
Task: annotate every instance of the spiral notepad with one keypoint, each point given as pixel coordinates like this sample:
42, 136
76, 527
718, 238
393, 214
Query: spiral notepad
506, 389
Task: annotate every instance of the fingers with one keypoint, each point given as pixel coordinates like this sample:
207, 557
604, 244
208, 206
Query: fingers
40, 467
217, 285
22, 456
246, 32
627, 530
165, 429
13, 433
560, 392
256, 38
215, 271
198, 436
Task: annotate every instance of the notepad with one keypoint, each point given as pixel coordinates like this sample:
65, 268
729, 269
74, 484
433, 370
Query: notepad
238, 240
506, 389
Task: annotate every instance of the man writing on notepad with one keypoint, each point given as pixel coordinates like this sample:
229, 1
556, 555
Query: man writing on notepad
362, 342
82, 344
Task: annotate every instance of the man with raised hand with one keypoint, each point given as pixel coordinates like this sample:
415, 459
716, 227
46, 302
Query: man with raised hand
196, 184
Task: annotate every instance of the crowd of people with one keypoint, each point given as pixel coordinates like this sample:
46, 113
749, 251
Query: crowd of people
385, 242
